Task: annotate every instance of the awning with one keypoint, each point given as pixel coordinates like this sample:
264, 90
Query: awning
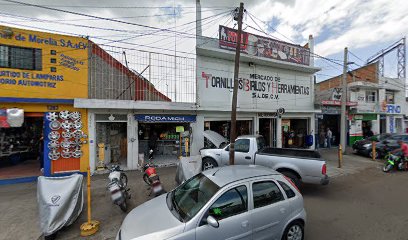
165, 118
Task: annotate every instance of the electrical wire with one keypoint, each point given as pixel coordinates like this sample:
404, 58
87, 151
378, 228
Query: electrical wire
98, 17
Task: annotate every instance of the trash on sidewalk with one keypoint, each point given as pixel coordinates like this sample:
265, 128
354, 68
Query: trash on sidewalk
188, 167
60, 201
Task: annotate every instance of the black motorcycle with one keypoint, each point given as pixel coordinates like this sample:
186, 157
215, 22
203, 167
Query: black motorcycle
117, 187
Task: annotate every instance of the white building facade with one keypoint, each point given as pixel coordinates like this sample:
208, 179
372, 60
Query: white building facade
275, 91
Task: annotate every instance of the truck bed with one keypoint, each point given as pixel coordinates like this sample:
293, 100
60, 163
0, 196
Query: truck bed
298, 153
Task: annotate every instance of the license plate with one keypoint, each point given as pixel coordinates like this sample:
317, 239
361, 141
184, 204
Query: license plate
116, 196
157, 188
114, 187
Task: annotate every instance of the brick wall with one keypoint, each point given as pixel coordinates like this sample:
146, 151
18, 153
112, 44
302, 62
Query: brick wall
367, 73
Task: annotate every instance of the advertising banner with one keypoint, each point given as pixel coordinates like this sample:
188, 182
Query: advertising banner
263, 88
260, 46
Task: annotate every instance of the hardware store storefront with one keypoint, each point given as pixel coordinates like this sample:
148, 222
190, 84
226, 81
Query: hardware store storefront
271, 87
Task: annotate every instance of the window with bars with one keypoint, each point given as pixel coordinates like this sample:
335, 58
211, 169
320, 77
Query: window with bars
20, 58
371, 96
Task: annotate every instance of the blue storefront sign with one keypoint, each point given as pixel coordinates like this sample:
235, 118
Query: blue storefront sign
165, 118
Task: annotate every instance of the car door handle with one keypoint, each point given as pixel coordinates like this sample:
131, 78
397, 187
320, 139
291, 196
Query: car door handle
247, 157
244, 224
218, 154
283, 210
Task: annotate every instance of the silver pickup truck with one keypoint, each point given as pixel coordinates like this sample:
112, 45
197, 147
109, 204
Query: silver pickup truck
305, 166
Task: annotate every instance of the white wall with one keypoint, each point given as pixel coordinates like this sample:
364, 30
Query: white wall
212, 96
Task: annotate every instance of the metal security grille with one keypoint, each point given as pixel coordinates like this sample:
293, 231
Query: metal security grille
129, 74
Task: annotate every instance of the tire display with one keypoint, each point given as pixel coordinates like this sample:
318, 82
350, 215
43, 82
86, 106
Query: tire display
65, 138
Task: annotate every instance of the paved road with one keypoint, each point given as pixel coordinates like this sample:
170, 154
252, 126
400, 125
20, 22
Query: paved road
366, 205
370, 205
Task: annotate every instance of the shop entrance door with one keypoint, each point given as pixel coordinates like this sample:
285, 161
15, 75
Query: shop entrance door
383, 124
267, 128
111, 137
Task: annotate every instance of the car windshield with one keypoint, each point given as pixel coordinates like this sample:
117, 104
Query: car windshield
192, 195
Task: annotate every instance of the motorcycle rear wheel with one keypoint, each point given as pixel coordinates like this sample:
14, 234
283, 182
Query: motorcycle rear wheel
387, 167
146, 179
124, 180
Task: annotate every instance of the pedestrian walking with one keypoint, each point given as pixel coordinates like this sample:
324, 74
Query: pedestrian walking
329, 136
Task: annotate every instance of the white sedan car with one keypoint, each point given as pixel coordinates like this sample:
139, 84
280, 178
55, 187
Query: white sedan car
232, 202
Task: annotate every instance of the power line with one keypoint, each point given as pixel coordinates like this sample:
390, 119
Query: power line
107, 29
97, 17
109, 40
117, 7
357, 57
128, 17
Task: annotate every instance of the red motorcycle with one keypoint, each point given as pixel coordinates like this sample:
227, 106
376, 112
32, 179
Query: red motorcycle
151, 178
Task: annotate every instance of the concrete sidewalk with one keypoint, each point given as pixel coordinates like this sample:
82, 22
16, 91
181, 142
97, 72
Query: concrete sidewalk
352, 163
19, 211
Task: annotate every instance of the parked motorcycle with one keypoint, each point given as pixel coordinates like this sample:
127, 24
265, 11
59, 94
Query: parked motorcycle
118, 187
394, 160
151, 178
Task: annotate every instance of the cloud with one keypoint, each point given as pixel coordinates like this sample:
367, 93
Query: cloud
334, 24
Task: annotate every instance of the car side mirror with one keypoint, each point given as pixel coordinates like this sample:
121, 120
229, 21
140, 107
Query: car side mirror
212, 222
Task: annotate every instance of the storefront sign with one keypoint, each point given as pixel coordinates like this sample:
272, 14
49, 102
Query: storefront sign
361, 97
336, 94
278, 113
64, 78
179, 129
332, 110
263, 89
358, 117
286, 122
52, 108
319, 116
391, 124
337, 103
165, 118
392, 108
256, 45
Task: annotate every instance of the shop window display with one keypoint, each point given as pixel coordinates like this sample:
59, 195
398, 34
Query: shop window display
164, 139
244, 127
21, 149
294, 133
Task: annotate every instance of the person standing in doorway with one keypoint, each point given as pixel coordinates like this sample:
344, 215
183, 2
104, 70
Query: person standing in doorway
153, 143
329, 136
322, 136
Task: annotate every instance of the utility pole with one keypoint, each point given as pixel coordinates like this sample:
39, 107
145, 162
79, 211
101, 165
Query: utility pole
343, 103
235, 93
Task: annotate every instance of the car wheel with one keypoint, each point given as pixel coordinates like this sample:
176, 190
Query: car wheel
295, 179
209, 163
295, 231
377, 154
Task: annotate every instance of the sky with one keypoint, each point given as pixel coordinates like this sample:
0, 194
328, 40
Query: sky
365, 26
